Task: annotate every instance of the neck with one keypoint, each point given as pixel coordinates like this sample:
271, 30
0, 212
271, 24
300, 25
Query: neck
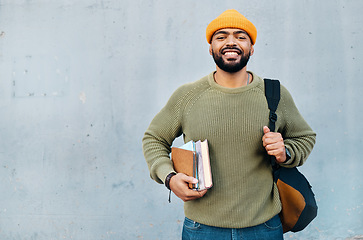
232, 80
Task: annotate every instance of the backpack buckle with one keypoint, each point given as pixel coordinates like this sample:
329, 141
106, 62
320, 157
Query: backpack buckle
273, 117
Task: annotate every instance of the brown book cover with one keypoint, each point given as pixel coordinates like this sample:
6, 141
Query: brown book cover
184, 162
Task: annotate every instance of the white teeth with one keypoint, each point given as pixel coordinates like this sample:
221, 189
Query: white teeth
230, 53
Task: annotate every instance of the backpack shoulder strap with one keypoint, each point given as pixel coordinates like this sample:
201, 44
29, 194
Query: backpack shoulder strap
272, 93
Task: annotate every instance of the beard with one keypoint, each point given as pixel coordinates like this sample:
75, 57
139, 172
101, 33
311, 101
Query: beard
231, 66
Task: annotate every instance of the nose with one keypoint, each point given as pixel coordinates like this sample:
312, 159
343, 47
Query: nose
231, 41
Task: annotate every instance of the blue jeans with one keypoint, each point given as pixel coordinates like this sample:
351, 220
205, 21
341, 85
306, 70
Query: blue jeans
270, 230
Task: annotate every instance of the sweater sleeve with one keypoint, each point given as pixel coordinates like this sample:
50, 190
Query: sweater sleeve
299, 138
158, 138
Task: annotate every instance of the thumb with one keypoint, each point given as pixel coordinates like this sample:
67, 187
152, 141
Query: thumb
189, 179
266, 130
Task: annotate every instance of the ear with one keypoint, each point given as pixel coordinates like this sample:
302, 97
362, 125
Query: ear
210, 50
252, 50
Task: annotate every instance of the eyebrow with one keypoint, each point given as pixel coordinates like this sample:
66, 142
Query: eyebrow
225, 32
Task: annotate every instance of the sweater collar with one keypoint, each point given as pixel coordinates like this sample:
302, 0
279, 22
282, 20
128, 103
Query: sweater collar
256, 81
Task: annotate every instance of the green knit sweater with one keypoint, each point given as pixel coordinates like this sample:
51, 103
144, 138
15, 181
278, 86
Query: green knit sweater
232, 119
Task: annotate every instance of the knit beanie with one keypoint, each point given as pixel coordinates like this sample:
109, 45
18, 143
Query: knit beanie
231, 19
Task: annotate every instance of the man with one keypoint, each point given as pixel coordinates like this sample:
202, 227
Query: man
229, 109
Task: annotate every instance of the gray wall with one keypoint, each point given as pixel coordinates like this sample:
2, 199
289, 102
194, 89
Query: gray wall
81, 80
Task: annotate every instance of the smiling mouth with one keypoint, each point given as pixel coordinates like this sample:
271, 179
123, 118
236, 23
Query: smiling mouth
232, 52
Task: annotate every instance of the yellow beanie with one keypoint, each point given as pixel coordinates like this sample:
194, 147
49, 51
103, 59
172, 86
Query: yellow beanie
231, 19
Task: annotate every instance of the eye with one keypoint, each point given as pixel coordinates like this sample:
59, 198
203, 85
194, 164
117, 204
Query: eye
241, 37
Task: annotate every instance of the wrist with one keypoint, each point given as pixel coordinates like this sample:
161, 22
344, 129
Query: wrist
168, 178
288, 155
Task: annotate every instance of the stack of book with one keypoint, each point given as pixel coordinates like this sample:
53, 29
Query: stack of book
192, 159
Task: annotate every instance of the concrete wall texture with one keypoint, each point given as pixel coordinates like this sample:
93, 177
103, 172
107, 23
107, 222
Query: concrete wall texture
81, 80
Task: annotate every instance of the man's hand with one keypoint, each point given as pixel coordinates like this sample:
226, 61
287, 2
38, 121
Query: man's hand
179, 185
274, 144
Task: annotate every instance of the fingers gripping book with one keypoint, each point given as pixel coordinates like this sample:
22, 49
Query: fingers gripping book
193, 160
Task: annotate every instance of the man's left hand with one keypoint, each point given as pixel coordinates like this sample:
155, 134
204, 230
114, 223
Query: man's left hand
274, 144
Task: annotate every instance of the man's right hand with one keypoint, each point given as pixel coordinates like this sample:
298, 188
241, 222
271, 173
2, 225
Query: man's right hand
179, 184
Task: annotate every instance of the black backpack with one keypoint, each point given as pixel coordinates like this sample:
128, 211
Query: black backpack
299, 207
